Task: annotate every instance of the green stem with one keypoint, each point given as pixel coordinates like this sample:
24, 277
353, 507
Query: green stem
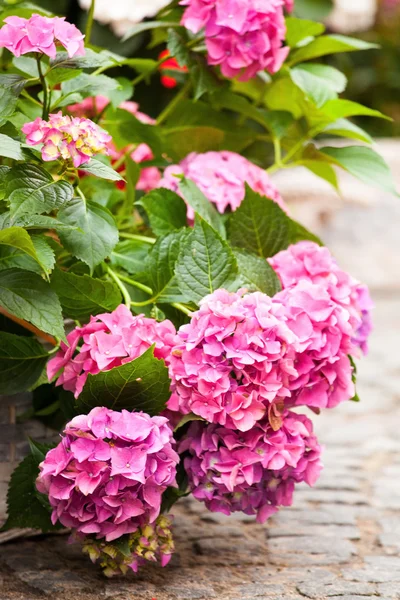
139, 238
174, 102
89, 23
142, 76
137, 284
45, 112
81, 194
122, 287
29, 97
182, 308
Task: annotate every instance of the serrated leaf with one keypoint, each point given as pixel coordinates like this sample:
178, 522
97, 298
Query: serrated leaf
205, 262
97, 235
298, 30
89, 85
256, 273
142, 384
32, 190
22, 360
44, 252
91, 60
33, 222
10, 88
328, 44
28, 297
260, 226
82, 296
10, 148
17, 237
160, 267
365, 164
165, 209
98, 168
202, 205
130, 255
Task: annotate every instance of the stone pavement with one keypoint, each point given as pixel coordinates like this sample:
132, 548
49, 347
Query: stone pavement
340, 540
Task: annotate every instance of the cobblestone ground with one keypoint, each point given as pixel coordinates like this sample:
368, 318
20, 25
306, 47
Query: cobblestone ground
340, 541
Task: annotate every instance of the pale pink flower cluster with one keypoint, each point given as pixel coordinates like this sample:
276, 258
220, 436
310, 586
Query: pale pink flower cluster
68, 138
108, 340
308, 261
242, 37
107, 475
41, 34
254, 472
221, 176
94, 106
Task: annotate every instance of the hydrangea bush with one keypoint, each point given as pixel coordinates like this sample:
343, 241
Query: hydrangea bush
157, 299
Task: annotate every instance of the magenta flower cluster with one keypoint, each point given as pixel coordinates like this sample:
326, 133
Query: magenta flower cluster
221, 176
242, 37
107, 475
41, 34
252, 472
109, 340
67, 138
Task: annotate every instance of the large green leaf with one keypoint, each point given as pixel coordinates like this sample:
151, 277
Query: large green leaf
130, 255
347, 129
22, 360
82, 296
142, 384
99, 169
256, 274
97, 235
10, 148
205, 262
32, 190
28, 297
365, 164
17, 237
165, 209
260, 226
298, 30
160, 267
44, 252
328, 44
320, 83
10, 88
202, 205
33, 222
90, 85
339, 108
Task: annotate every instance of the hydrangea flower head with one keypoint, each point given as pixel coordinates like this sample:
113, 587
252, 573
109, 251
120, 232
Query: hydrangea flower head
93, 107
242, 37
308, 261
68, 138
232, 360
221, 176
108, 340
41, 34
253, 472
107, 475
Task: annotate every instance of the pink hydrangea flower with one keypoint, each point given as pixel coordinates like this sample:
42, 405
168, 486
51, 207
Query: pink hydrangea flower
71, 139
107, 475
92, 107
221, 176
308, 261
233, 359
41, 34
324, 334
242, 37
108, 340
253, 472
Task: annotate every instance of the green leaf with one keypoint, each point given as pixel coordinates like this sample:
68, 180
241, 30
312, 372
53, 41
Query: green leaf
130, 255
205, 262
10, 148
25, 506
284, 95
142, 384
328, 44
338, 109
10, 88
188, 419
320, 83
176, 45
260, 226
298, 30
3, 177
240, 104
99, 169
97, 235
82, 296
365, 164
44, 252
16, 237
90, 85
33, 222
28, 297
32, 190
313, 9
347, 129
256, 274
91, 60
323, 170
126, 129
123, 92
165, 209
22, 360
182, 140
202, 205
147, 26
160, 267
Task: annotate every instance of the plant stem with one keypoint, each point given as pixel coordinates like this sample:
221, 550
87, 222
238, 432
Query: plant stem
122, 287
27, 95
89, 23
174, 102
182, 308
81, 194
139, 238
137, 284
45, 112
